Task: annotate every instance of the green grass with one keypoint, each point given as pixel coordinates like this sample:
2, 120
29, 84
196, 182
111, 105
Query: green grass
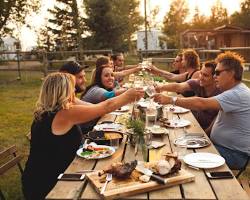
17, 103
16, 107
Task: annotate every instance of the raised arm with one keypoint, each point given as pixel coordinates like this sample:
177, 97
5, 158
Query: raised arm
167, 75
193, 103
127, 72
173, 87
80, 102
77, 114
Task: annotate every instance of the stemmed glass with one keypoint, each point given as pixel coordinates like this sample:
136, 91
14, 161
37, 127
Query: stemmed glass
150, 90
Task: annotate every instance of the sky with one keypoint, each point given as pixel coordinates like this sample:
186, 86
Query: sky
28, 37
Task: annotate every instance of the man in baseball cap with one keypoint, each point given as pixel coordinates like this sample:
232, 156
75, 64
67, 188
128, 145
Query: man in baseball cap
77, 70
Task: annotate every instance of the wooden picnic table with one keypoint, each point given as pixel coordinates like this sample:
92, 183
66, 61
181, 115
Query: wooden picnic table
200, 188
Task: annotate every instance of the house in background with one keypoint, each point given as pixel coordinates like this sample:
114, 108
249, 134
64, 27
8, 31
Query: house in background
9, 44
198, 38
218, 38
154, 41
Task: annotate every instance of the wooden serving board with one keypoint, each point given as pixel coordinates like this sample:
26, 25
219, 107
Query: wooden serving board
121, 188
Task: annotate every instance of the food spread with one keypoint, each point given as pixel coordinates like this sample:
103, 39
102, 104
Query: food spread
96, 152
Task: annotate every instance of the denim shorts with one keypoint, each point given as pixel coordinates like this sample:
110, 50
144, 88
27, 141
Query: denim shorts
235, 160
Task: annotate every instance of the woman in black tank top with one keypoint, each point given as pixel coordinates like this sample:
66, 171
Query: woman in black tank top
189, 93
191, 62
55, 136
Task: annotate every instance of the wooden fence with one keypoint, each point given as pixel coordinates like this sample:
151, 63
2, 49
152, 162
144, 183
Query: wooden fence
47, 59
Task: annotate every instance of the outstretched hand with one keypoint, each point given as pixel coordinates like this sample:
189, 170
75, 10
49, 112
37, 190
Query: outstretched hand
134, 94
158, 88
152, 69
162, 99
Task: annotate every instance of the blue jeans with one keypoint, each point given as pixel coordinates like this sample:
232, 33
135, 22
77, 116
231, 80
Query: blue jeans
235, 159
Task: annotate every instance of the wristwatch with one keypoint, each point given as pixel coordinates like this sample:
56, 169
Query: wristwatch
174, 99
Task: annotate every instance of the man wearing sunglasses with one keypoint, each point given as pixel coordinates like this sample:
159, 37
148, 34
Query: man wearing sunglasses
203, 87
231, 130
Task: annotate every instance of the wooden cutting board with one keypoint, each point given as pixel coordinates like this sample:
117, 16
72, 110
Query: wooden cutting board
120, 188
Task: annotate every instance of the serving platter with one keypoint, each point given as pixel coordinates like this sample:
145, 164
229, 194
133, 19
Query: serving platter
118, 188
193, 142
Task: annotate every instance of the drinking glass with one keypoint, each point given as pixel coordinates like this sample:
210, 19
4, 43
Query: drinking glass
131, 78
151, 115
114, 143
181, 149
165, 111
150, 90
147, 137
138, 82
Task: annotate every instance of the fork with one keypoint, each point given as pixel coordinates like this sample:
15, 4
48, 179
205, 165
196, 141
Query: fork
108, 179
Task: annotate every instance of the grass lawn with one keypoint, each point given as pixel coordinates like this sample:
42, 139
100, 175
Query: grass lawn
16, 113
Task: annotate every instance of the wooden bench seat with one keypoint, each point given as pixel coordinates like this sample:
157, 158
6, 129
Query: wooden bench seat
8, 159
245, 183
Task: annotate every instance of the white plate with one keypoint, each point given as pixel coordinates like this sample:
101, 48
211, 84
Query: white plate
204, 160
108, 127
177, 123
97, 156
157, 130
177, 109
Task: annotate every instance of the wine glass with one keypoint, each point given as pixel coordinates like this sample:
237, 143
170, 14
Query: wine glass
150, 90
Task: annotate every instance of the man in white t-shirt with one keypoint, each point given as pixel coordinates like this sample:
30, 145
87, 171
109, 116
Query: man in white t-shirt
231, 130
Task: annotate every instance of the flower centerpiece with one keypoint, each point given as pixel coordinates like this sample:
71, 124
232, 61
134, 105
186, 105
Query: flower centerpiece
137, 137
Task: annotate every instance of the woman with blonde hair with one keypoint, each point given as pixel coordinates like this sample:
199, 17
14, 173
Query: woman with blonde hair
55, 135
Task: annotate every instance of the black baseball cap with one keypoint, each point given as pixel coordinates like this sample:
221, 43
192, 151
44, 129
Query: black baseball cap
72, 67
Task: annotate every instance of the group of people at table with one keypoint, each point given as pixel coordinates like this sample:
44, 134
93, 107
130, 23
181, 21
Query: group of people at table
215, 94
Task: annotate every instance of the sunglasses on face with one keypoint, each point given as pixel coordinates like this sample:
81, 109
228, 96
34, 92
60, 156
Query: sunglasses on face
218, 72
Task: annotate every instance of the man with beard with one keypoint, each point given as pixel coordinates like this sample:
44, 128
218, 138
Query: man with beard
77, 70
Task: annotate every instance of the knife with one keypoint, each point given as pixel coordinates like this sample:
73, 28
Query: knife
149, 173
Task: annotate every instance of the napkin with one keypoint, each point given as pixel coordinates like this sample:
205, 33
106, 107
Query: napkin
156, 144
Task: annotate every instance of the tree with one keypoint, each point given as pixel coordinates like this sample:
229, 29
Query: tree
152, 23
15, 11
242, 18
111, 23
45, 39
66, 25
219, 15
174, 22
198, 20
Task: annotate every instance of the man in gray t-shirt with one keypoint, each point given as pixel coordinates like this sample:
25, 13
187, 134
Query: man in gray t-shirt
231, 130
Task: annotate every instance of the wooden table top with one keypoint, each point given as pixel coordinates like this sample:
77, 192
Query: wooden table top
201, 188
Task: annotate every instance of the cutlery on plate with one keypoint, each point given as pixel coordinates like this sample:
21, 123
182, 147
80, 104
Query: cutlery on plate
108, 179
